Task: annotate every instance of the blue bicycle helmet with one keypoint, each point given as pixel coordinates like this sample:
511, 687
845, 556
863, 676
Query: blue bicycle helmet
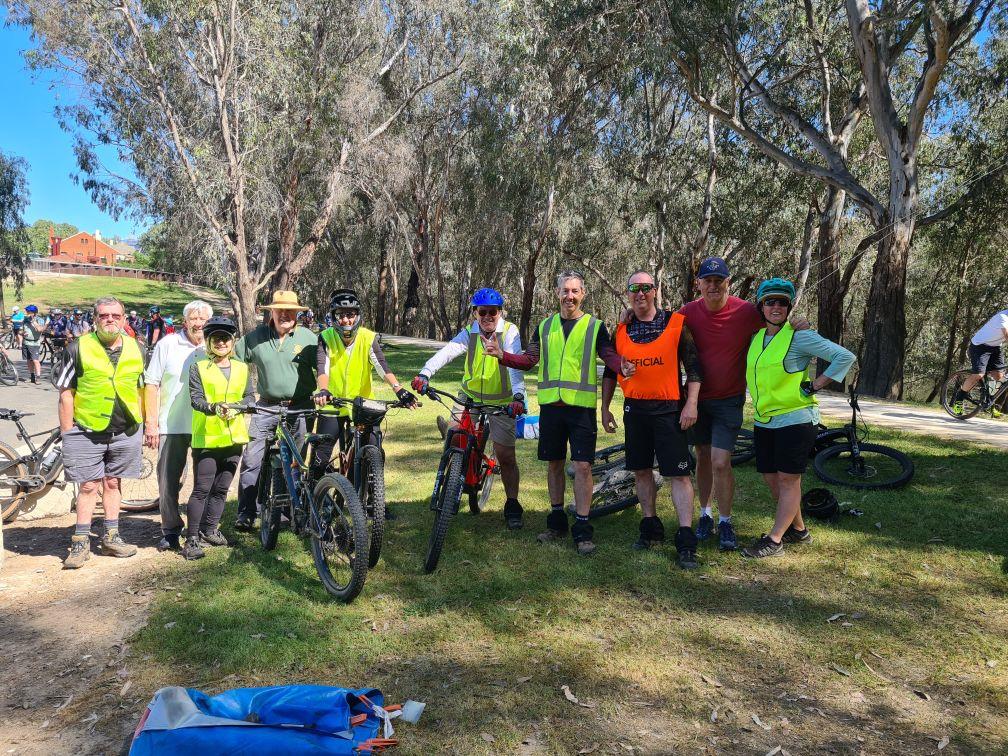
32, 309
775, 287
487, 298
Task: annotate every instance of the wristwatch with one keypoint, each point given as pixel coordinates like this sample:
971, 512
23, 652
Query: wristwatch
808, 388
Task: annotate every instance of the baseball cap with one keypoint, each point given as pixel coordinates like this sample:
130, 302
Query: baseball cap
713, 266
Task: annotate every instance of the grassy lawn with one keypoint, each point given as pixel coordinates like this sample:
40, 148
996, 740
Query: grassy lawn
81, 291
736, 657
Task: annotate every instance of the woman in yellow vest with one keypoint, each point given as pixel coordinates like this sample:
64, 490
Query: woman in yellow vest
347, 352
786, 410
218, 433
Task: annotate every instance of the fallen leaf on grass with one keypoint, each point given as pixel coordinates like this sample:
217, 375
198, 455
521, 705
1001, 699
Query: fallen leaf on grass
574, 699
991, 663
65, 703
258, 636
759, 722
836, 616
943, 742
522, 680
713, 715
90, 718
922, 694
774, 751
841, 670
170, 625
936, 539
487, 737
857, 616
710, 680
588, 749
126, 687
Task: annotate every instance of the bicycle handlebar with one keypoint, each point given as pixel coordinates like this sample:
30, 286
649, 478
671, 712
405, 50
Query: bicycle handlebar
339, 401
489, 409
13, 414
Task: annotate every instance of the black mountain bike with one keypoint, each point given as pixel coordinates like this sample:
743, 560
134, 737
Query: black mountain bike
464, 467
327, 511
983, 397
362, 462
844, 457
22, 475
8, 373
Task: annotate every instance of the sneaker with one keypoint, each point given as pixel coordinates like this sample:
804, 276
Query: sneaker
585, 548
244, 524
514, 522
192, 549
112, 544
80, 552
687, 558
213, 537
705, 527
763, 546
726, 536
549, 536
513, 514
791, 535
169, 542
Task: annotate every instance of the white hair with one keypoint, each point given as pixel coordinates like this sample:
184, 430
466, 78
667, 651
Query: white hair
195, 305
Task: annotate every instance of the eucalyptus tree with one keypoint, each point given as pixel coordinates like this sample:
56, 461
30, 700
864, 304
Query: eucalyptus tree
14, 241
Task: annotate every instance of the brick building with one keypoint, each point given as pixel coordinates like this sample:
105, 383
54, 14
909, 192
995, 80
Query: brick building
83, 247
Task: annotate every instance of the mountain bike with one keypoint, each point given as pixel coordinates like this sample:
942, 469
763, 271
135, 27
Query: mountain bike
464, 467
22, 475
614, 488
327, 512
8, 373
8, 339
983, 397
362, 462
844, 457
143, 494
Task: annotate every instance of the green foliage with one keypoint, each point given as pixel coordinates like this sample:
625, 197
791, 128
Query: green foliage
13, 239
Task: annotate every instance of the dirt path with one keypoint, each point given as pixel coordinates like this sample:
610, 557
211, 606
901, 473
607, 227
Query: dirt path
67, 687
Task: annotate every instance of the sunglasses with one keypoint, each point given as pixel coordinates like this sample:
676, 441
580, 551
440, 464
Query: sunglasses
487, 312
641, 288
776, 302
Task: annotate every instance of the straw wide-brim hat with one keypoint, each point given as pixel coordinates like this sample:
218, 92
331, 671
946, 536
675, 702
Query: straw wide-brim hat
284, 300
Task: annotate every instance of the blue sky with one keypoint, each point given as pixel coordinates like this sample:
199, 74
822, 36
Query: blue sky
29, 130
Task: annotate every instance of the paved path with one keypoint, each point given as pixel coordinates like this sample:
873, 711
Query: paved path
906, 417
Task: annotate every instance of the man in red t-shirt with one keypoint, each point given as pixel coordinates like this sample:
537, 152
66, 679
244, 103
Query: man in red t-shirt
722, 326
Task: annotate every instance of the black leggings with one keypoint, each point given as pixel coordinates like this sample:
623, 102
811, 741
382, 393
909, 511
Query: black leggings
213, 470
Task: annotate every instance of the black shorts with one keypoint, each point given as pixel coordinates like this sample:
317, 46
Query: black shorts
563, 424
984, 357
650, 437
784, 450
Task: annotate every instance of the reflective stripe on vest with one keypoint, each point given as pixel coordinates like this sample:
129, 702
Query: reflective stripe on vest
99, 383
486, 379
773, 389
567, 371
210, 431
349, 376
657, 374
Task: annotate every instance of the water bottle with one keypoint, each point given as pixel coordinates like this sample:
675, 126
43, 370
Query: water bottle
49, 460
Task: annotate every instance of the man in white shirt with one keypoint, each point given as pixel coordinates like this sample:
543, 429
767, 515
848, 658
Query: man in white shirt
986, 353
169, 412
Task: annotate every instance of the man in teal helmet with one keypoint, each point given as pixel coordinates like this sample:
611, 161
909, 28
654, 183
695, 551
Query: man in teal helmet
786, 411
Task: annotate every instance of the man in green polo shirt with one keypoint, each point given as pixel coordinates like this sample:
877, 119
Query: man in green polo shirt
283, 354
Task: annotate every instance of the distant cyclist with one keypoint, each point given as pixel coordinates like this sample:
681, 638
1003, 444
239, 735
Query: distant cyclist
155, 326
58, 329
986, 353
17, 321
78, 325
32, 333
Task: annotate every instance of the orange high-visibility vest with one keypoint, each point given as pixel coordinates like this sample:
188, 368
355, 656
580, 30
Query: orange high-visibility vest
657, 375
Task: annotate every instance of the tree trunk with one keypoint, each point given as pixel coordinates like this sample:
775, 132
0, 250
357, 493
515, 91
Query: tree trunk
382, 304
528, 291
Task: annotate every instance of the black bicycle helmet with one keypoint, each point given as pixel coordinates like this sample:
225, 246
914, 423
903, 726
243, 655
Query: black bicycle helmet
154, 310
219, 323
345, 299
820, 503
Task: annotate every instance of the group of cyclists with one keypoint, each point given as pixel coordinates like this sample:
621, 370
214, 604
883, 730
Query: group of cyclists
32, 329
683, 374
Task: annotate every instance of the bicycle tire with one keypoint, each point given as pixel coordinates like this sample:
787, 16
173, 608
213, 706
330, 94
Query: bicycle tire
269, 510
745, 447
11, 496
448, 496
142, 494
373, 499
478, 501
8, 373
603, 462
332, 494
972, 404
868, 481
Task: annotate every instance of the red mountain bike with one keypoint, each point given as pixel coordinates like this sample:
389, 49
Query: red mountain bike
464, 467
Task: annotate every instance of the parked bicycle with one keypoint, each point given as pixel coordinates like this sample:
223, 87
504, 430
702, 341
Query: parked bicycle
844, 457
464, 467
363, 462
985, 395
22, 475
8, 339
327, 512
8, 373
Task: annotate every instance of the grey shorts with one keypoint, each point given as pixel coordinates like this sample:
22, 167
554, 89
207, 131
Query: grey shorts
92, 456
30, 351
718, 422
502, 427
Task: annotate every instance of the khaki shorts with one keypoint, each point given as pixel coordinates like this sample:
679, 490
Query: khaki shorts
502, 427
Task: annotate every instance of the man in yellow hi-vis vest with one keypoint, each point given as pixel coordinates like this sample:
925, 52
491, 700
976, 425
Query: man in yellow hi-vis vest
565, 346
100, 414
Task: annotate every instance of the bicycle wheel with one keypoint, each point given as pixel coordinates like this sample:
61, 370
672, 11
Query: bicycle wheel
339, 538
448, 495
11, 494
373, 499
971, 403
745, 448
614, 493
606, 459
875, 466
141, 494
8, 373
478, 501
269, 506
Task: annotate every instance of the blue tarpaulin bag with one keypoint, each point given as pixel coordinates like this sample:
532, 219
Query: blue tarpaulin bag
303, 719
